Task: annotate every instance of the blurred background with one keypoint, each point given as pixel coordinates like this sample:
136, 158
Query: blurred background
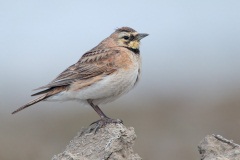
190, 85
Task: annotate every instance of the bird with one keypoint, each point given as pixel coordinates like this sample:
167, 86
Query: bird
100, 76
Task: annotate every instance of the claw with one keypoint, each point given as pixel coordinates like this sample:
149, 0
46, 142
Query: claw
95, 126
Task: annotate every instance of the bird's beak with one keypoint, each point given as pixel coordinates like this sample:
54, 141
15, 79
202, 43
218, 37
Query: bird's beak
141, 36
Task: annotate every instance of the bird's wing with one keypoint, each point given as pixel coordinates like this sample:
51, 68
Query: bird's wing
92, 67
91, 64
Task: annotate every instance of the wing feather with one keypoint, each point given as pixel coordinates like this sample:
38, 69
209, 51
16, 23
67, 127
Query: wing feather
91, 64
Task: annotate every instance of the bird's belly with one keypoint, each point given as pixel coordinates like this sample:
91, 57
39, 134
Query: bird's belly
109, 88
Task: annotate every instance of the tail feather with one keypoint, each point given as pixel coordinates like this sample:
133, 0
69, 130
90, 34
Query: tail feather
31, 103
42, 95
42, 92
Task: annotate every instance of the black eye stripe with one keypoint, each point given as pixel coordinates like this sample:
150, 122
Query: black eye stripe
131, 37
126, 37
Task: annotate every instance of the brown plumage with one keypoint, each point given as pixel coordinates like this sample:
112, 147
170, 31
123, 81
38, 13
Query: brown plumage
101, 75
44, 94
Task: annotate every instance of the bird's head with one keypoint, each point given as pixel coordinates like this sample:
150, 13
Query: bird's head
128, 37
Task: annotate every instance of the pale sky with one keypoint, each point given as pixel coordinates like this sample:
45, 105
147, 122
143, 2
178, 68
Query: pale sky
190, 84
193, 45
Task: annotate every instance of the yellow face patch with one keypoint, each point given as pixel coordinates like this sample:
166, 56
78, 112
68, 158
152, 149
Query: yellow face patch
134, 44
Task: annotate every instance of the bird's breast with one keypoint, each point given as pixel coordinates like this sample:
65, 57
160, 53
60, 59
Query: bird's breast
111, 86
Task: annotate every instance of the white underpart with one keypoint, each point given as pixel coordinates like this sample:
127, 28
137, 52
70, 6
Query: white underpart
106, 90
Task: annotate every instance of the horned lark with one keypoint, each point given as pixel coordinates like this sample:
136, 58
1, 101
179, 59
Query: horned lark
103, 74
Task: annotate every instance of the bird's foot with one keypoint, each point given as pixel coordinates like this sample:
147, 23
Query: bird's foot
95, 126
103, 121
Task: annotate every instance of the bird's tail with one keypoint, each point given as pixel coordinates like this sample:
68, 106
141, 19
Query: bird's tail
31, 103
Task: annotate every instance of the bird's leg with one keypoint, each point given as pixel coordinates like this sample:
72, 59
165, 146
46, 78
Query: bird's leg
104, 119
97, 109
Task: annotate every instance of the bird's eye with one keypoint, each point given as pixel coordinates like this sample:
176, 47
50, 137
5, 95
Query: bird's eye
126, 37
